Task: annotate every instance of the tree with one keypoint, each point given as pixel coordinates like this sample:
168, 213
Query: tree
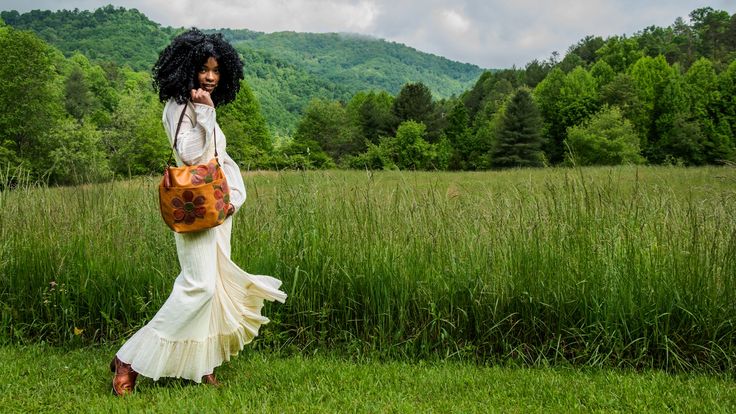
414, 102
327, 123
712, 29
30, 99
245, 127
727, 101
620, 52
655, 41
565, 100
546, 96
650, 77
77, 156
408, 149
671, 112
586, 48
682, 142
578, 97
78, 98
570, 62
371, 114
703, 94
473, 98
136, 141
607, 138
603, 74
519, 135
621, 92
458, 134
534, 72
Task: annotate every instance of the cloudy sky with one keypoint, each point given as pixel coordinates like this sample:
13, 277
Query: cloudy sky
488, 33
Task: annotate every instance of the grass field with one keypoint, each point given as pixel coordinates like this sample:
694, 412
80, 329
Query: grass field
603, 267
49, 379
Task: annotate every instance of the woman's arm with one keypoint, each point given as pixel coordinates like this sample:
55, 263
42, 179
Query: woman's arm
195, 133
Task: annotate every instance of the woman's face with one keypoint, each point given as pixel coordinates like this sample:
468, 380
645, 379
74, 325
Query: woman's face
209, 75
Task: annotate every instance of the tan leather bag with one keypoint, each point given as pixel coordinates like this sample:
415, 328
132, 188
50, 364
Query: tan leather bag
193, 197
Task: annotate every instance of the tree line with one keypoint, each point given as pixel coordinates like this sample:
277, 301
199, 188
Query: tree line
664, 95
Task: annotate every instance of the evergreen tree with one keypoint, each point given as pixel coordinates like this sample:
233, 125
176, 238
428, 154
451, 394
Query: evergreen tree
414, 102
519, 136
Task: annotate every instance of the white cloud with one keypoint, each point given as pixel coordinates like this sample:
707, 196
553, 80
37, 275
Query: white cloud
454, 22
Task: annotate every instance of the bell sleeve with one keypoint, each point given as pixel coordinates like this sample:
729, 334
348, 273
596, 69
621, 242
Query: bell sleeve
195, 133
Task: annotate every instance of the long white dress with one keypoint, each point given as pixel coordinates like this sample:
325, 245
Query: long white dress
214, 309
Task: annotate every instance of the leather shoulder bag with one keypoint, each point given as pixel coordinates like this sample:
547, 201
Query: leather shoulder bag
193, 197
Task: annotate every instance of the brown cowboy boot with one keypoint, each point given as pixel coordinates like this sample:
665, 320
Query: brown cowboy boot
211, 380
123, 382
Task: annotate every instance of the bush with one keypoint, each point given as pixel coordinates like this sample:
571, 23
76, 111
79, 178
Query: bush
607, 138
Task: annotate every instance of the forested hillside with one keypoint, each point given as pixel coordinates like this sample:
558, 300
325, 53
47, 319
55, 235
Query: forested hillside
285, 69
661, 96
665, 95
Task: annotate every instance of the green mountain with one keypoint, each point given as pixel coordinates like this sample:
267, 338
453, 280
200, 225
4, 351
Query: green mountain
285, 69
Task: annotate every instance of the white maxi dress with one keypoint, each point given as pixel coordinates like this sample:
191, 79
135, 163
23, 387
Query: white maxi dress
214, 309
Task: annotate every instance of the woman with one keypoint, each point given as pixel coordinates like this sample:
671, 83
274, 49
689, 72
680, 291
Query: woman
215, 307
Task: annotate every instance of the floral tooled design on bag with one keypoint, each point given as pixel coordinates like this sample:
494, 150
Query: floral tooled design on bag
222, 199
205, 173
188, 208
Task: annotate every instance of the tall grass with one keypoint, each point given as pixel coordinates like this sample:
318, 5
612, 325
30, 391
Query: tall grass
603, 267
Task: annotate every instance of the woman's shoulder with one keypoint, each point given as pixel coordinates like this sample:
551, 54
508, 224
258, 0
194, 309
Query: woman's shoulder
172, 106
173, 109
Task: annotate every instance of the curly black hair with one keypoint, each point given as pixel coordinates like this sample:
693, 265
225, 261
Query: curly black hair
175, 72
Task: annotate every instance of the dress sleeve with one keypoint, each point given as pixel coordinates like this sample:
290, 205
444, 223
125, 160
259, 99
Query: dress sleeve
195, 135
234, 180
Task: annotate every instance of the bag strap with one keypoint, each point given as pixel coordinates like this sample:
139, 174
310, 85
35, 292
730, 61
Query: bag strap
176, 136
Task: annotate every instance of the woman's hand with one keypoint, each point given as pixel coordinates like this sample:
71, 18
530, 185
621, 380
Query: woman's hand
201, 96
230, 209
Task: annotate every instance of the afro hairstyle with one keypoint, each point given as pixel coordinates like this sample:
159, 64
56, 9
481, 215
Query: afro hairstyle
175, 72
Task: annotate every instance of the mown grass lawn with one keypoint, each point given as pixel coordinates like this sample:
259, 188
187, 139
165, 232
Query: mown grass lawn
41, 378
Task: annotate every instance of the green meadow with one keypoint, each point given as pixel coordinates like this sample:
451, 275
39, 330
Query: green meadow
625, 267
45, 379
